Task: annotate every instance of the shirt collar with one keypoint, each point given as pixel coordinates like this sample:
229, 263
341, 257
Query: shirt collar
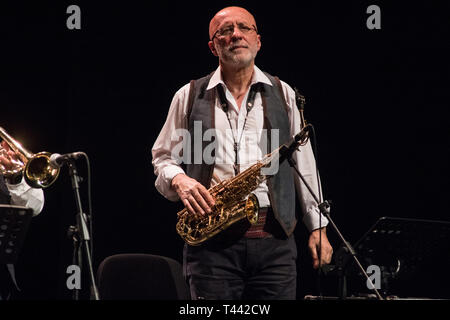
258, 76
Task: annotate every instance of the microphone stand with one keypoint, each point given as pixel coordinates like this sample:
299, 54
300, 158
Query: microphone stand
80, 233
286, 152
76, 257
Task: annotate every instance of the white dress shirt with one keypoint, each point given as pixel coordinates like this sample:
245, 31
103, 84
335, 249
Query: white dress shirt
23, 195
252, 147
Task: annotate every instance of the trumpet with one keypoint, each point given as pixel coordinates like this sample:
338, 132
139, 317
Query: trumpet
36, 168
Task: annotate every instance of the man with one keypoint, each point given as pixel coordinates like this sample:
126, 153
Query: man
239, 101
14, 190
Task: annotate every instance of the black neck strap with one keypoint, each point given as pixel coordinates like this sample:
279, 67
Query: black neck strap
250, 99
249, 105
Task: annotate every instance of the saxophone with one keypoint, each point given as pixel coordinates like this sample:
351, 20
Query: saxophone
233, 202
233, 198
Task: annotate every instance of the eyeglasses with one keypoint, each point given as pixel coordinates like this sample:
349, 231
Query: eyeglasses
229, 30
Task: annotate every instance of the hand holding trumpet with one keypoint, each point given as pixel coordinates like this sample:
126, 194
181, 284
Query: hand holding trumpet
35, 168
9, 161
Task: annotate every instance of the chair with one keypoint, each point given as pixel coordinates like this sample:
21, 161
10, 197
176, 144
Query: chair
141, 277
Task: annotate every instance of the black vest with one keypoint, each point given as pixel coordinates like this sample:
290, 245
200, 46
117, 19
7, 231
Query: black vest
201, 107
5, 197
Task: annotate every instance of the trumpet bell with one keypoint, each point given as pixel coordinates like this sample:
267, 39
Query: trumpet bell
39, 172
37, 169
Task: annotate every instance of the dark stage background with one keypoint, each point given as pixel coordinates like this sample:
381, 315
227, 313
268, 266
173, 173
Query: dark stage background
378, 100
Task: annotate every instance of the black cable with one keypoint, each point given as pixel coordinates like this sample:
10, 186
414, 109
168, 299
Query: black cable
89, 202
314, 139
94, 288
300, 100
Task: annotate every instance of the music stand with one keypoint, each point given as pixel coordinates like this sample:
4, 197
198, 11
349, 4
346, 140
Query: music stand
405, 248
14, 223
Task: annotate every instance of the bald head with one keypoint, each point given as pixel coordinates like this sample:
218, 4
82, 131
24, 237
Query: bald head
229, 13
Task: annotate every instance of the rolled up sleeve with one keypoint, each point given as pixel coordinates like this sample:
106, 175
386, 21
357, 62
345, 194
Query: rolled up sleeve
164, 162
306, 164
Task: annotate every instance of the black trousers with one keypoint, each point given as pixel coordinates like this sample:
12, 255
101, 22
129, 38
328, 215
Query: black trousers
243, 268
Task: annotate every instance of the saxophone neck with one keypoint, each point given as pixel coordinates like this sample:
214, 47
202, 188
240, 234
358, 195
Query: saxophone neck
268, 158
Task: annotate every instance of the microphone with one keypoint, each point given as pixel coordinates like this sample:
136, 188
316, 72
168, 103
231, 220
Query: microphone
288, 149
57, 160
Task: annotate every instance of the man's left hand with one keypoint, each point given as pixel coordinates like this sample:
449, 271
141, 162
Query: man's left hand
314, 247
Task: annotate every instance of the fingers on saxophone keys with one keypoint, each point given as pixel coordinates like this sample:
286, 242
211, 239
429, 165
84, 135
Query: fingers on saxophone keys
197, 208
199, 197
188, 206
207, 196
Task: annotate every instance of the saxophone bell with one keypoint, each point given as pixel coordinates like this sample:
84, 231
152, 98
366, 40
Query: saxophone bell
252, 208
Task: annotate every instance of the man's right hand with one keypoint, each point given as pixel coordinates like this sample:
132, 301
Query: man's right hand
9, 160
193, 194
